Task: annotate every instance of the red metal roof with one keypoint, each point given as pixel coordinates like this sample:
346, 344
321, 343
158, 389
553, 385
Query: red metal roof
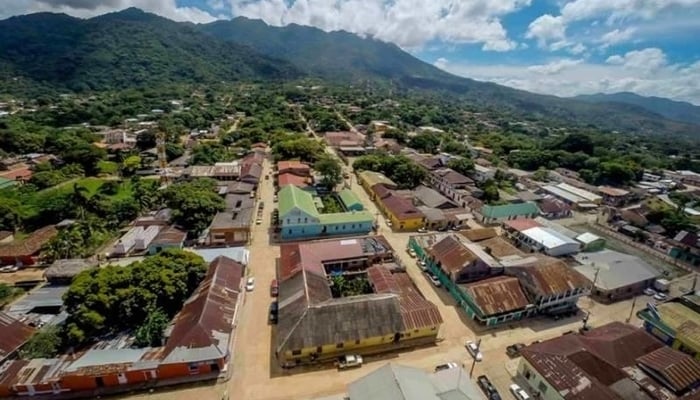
293, 166
17, 174
289, 178
401, 208
678, 369
210, 310
452, 255
13, 334
30, 245
479, 234
497, 295
522, 224
553, 277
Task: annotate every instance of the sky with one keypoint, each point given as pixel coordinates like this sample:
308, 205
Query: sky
560, 47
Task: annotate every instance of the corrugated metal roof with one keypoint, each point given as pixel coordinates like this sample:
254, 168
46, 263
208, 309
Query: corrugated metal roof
678, 369
549, 238
401, 208
497, 295
476, 235
509, 210
13, 334
452, 255
551, 277
522, 224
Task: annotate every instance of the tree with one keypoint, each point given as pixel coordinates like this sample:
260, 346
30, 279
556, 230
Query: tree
80, 198
490, 189
150, 333
426, 143
44, 344
541, 175
194, 204
330, 169
130, 165
9, 218
462, 165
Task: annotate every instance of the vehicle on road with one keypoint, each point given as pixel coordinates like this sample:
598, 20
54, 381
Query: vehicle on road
274, 288
422, 230
448, 365
250, 284
349, 361
275, 199
434, 279
514, 349
422, 265
660, 296
518, 392
273, 312
258, 221
411, 252
650, 292
488, 388
261, 205
9, 268
473, 349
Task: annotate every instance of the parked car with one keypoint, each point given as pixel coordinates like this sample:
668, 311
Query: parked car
275, 198
660, 296
518, 392
650, 292
258, 221
514, 349
473, 349
448, 365
422, 265
261, 205
9, 268
349, 361
274, 288
411, 252
250, 284
488, 388
422, 230
434, 279
273, 312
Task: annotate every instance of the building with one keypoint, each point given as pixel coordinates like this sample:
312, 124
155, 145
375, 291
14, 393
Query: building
135, 239
457, 259
532, 235
450, 183
497, 214
288, 178
318, 322
613, 196
26, 251
14, 335
368, 179
615, 361
617, 276
573, 196
400, 211
497, 300
432, 198
676, 323
230, 171
482, 173
63, 271
398, 382
196, 348
232, 226
293, 167
350, 200
299, 217
168, 238
590, 242
553, 208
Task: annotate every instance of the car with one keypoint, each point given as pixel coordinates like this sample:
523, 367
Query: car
422, 230
488, 388
650, 292
422, 265
9, 268
434, 279
473, 349
411, 253
388, 223
349, 361
274, 288
660, 296
250, 284
273, 312
448, 365
518, 392
535, 342
258, 221
261, 205
275, 198
514, 349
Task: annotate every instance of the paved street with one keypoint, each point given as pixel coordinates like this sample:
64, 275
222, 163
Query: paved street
257, 377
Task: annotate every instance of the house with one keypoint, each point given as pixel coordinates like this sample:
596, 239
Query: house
613, 196
229, 171
319, 324
590, 242
401, 212
251, 172
479, 234
167, 238
553, 208
435, 218
288, 178
482, 173
6, 237
293, 167
451, 183
368, 179
551, 285
497, 214
232, 226
18, 173
136, 239
497, 300
684, 246
350, 200
63, 271
398, 382
26, 251
460, 260
431, 198
14, 335
676, 323
344, 139
573, 196
531, 234
299, 217
617, 276
615, 361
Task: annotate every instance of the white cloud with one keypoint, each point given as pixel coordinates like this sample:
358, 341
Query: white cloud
90, 8
614, 10
568, 77
218, 5
545, 29
408, 23
617, 36
648, 59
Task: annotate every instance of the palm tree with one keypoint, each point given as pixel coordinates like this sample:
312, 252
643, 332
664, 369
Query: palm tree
80, 199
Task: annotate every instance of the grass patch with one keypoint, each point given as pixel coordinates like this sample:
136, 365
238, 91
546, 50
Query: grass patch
331, 204
107, 167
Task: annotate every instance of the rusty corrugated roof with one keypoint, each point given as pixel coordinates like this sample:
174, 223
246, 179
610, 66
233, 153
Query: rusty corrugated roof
476, 235
13, 334
522, 224
497, 295
553, 277
30, 245
452, 255
678, 369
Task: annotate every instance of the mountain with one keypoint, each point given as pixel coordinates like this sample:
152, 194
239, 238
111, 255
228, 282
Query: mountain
124, 49
671, 109
342, 56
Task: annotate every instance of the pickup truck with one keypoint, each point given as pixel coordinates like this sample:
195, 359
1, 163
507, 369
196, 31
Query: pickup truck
349, 361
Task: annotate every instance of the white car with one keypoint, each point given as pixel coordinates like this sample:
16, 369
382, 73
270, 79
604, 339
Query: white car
349, 361
9, 268
434, 279
411, 253
649, 292
519, 393
445, 366
660, 296
250, 284
474, 350
422, 230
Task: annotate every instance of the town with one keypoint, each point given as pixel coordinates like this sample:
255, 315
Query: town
263, 244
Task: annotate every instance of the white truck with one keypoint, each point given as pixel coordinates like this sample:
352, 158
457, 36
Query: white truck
662, 285
349, 361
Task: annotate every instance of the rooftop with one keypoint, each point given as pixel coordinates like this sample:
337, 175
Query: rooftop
551, 276
67, 269
170, 235
498, 295
288, 178
548, 238
479, 234
677, 370
372, 178
431, 197
14, 335
30, 245
349, 199
401, 208
613, 192
615, 269
509, 210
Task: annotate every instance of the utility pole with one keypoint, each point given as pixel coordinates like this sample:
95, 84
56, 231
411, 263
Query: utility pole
478, 347
634, 302
588, 312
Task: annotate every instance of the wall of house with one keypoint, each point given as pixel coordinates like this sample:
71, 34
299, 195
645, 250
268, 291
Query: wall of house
219, 237
155, 248
409, 224
319, 230
622, 293
177, 370
684, 255
537, 382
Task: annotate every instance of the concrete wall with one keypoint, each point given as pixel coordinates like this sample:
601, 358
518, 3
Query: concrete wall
537, 382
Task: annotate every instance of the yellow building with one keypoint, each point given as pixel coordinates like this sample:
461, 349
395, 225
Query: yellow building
404, 216
316, 323
676, 323
370, 178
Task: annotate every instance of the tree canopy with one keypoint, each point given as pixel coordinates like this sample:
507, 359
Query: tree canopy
194, 204
399, 169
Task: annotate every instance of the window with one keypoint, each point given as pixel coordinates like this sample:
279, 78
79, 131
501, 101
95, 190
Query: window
353, 226
527, 374
298, 220
339, 346
192, 367
306, 219
542, 387
296, 352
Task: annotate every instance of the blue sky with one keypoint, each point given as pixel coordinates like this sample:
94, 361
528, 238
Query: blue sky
561, 47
